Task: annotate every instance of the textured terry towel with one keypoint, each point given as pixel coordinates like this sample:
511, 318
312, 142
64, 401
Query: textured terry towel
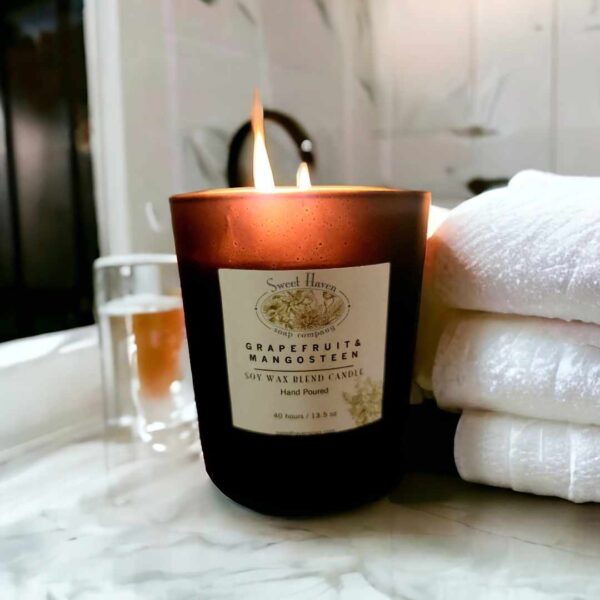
532, 248
540, 368
527, 455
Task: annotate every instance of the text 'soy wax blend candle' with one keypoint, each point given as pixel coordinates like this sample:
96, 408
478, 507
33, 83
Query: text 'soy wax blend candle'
301, 307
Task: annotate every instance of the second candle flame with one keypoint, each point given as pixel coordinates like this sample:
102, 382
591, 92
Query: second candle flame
261, 168
303, 177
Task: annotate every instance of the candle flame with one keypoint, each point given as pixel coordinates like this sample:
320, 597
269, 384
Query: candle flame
263, 175
303, 177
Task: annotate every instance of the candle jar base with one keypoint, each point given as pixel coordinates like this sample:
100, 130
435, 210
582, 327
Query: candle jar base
303, 480
287, 503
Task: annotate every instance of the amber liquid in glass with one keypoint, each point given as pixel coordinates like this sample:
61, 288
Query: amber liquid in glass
159, 339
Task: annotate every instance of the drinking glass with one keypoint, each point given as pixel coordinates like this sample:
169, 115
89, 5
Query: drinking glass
146, 372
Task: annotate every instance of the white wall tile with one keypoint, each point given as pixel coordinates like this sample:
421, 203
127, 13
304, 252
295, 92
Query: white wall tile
408, 93
146, 107
299, 35
432, 62
578, 87
512, 88
231, 25
474, 91
213, 87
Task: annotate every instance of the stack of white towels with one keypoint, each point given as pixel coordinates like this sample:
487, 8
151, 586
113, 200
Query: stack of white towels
510, 334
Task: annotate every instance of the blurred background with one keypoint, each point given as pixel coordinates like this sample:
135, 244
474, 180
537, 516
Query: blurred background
110, 106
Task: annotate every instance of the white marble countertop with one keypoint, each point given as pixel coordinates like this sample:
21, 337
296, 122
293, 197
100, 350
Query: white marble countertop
156, 528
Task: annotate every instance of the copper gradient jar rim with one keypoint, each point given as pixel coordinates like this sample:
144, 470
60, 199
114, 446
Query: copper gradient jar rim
342, 191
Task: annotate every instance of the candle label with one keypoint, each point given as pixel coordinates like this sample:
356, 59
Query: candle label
305, 348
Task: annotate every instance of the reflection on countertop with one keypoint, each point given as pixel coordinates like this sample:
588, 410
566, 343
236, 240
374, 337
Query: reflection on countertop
157, 528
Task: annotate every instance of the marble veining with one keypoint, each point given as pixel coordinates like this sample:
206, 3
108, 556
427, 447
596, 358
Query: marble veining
323, 9
147, 527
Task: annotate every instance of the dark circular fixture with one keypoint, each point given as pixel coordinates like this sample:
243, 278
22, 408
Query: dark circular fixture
298, 134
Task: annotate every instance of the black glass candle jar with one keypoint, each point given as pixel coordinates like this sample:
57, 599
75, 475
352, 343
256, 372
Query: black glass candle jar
301, 311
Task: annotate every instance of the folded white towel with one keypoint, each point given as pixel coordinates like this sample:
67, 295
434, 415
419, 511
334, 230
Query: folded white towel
540, 368
554, 184
532, 248
526, 455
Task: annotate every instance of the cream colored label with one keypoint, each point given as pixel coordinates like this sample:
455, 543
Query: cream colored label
305, 348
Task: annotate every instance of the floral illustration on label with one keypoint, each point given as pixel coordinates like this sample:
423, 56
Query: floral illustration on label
303, 310
365, 401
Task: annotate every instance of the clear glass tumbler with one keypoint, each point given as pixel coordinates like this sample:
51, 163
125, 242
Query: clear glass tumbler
146, 371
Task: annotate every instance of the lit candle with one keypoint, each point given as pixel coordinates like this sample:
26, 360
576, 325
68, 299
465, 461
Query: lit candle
301, 306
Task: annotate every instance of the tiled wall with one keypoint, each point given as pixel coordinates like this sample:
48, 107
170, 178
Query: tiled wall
407, 93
